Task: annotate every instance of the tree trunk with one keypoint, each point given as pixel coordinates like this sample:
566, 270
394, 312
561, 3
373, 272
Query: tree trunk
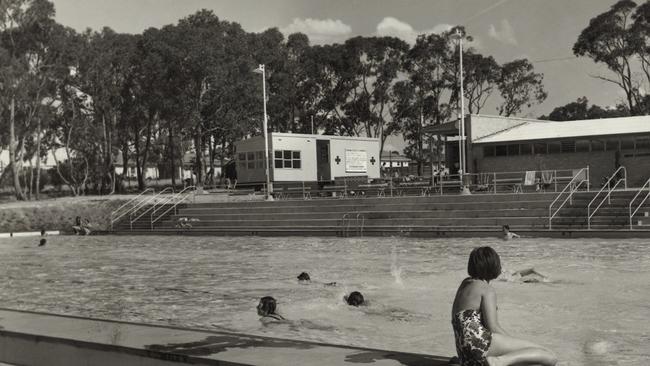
198, 147
211, 158
125, 163
15, 160
38, 160
222, 158
171, 154
138, 166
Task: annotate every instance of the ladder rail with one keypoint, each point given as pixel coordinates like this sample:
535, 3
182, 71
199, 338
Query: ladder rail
646, 184
607, 197
153, 200
573, 187
116, 214
178, 197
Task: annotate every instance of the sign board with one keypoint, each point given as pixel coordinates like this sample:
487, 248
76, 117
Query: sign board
356, 161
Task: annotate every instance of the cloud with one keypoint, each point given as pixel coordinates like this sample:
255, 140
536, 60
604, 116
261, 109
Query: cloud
505, 35
319, 30
393, 27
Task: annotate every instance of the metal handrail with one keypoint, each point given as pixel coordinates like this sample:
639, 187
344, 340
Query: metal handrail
573, 187
607, 197
156, 203
180, 197
646, 184
362, 217
131, 201
344, 229
152, 199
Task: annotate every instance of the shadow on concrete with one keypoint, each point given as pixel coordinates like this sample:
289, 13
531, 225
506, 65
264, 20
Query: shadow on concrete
406, 359
216, 344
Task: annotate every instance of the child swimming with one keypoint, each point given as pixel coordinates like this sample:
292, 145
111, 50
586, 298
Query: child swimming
507, 234
355, 298
479, 337
267, 310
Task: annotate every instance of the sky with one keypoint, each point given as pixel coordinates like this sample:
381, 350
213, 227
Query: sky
543, 31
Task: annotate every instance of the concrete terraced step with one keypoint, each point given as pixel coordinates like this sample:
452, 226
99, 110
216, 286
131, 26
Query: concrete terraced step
208, 216
345, 207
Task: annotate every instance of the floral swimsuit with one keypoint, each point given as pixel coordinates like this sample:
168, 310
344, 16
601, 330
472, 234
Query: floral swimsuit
472, 337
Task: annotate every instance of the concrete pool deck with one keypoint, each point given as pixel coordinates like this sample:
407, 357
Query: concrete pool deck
33, 338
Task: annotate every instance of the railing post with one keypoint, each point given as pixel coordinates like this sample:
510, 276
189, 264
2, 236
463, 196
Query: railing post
494, 182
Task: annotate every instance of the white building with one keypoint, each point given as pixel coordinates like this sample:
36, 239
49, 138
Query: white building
307, 158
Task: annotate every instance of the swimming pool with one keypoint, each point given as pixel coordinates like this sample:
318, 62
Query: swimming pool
593, 312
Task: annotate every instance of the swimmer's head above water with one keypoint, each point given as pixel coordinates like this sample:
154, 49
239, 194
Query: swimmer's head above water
304, 276
355, 298
484, 264
266, 306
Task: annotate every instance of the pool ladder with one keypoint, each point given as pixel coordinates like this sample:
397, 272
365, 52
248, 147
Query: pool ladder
345, 224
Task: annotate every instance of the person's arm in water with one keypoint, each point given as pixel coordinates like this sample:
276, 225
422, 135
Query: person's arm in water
489, 310
529, 271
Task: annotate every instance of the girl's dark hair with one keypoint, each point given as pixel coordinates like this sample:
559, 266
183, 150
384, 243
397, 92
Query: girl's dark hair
355, 298
507, 227
304, 276
266, 306
484, 264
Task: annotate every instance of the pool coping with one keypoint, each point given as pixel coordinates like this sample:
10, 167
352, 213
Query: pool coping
406, 232
38, 338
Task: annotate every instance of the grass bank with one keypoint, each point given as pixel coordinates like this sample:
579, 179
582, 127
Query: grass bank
59, 213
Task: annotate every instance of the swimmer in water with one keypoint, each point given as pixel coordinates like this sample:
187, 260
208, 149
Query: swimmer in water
42, 242
479, 337
507, 234
266, 309
355, 298
528, 275
304, 277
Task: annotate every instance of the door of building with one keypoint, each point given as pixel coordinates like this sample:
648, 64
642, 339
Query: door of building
323, 169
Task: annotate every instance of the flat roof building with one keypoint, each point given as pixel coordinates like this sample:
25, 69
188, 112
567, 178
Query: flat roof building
503, 144
307, 158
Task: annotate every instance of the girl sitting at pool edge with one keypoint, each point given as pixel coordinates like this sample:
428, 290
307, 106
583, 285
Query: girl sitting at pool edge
267, 310
479, 337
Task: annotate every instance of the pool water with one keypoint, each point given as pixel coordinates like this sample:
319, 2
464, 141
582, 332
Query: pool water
594, 311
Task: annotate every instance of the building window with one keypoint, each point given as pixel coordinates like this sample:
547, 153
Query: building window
642, 143
611, 145
241, 161
501, 150
288, 159
582, 145
540, 148
554, 147
513, 149
568, 146
597, 145
488, 151
627, 143
526, 149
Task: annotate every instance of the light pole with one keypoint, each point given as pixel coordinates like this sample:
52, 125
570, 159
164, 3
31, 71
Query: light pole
260, 70
461, 142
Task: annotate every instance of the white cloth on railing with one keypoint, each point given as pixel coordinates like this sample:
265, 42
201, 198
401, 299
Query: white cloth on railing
529, 179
